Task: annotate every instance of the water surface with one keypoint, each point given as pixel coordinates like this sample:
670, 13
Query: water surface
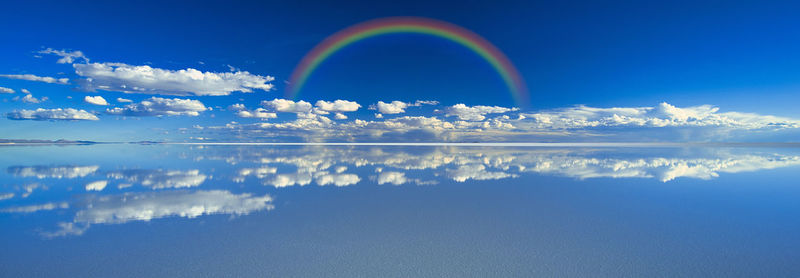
189, 211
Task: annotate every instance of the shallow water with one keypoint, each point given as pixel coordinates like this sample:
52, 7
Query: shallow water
189, 211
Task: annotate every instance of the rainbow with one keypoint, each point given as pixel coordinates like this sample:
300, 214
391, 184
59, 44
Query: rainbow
417, 25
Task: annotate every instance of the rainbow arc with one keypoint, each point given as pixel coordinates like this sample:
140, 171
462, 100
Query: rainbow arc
417, 25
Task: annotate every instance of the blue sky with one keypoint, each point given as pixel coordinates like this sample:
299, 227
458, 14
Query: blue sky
644, 59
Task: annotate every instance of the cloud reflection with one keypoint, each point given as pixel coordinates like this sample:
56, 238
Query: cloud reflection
282, 167
118, 209
159, 178
110, 197
56, 172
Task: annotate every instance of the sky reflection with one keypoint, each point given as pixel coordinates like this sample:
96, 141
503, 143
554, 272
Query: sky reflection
485, 210
132, 190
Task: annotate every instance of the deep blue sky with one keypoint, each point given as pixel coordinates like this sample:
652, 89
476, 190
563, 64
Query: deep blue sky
740, 56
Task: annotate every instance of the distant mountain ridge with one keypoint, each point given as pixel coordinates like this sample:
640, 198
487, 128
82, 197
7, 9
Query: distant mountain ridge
54, 142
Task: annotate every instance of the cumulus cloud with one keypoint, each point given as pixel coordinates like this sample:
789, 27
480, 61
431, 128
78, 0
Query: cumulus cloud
31, 77
462, 123
243, 112
126, 78
337, 106
123, 100
304, 122
67, 57
260, 113
475, 113
286, 105
397, 107
414, 122
424, 102
4, 90
29, 98
237, 107
156, 106
394, 107
663, 115
41, 114
96, 100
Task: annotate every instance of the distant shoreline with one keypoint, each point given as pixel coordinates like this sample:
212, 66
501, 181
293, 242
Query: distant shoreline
6, 142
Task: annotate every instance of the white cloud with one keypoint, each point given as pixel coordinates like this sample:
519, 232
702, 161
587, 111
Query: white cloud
31, 77
475, 113
664, 115
156, 106
411, 122
123, 100
337, 106
237, 107
25, 91
394, 107
397, 107
4, 90
67, 57
474, 123
29, 98
285, 105
340, 116
41, 114
424, 102
148, 80
260, 113
303, 122
96, 185
96, 100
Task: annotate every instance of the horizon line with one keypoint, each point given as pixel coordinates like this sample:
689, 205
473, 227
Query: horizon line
491, 144
455, 144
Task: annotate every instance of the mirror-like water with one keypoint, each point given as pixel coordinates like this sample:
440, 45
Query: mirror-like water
188, 211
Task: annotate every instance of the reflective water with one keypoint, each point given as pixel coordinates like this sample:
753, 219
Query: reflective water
189, 211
